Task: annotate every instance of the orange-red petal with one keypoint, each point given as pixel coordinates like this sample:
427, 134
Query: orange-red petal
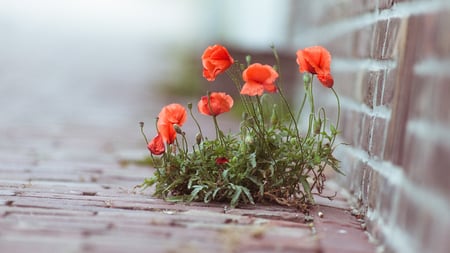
258, 78
218, 103
167, 132
156, 145
173, 113
170, 115
316, 60
252, 89
215, 60
326, 79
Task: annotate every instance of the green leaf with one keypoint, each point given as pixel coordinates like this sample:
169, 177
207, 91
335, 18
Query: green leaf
248, 194
215, 192
333, 129
236, 195
194, 193
225, 175
252, 160
338, 170
307, 188
208, 197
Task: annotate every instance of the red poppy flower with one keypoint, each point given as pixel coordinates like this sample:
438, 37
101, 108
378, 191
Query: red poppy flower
156, 146
258, 78
219, 102
221, 160
316, 60
170, 115
215, 60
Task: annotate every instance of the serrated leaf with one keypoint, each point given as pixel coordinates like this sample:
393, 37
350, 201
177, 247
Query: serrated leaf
194, 193
236, 195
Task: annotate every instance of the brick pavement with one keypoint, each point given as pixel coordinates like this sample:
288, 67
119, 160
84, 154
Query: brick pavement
68, 193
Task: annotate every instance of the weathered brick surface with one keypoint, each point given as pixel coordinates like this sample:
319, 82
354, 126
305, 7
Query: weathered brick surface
391, 68
56, 202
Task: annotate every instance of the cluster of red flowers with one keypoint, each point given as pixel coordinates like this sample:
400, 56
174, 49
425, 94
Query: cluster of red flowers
257, 79
170, 115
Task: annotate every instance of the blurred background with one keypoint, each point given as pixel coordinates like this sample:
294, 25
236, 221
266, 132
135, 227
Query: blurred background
104, 62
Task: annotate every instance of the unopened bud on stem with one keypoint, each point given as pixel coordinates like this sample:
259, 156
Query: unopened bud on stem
198, 138
307, 78
178, 129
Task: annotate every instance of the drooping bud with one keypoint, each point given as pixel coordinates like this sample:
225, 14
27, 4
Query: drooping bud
198, 138
178, 129
189, 105
317, 126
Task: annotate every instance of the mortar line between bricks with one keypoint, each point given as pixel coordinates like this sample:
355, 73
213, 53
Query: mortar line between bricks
395, 175
330, 31
433, 66
380, 111
433, 132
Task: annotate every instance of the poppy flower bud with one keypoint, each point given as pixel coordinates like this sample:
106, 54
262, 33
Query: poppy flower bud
178, 129
198, 138
306, 78
189, 105
248, 59
317, 126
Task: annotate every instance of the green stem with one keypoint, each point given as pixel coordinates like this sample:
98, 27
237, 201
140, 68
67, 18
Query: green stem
309, 91
216, 125
302, 106
338, 113
141, 124
196, 122
261, 112
280, 89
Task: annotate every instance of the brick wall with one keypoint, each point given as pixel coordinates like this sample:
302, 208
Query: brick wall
391, 62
